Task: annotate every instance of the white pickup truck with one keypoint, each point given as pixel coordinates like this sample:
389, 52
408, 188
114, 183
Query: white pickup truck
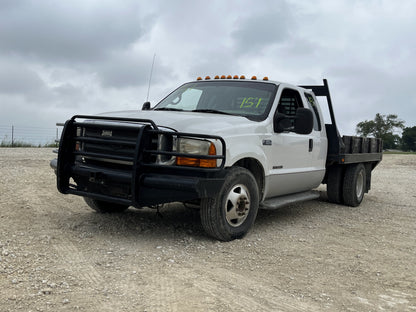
230, 144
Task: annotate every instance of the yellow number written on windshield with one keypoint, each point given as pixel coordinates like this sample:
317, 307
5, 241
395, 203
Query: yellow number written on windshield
249, 102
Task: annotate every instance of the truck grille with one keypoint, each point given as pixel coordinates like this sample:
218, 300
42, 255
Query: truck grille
105, 158
108, 145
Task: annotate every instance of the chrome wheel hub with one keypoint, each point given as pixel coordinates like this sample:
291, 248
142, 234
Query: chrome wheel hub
237, 205
359, 187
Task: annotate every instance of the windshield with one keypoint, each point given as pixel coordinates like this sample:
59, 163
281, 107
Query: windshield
242, 98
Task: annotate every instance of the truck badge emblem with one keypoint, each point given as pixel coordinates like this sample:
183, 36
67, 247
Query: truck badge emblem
107, 133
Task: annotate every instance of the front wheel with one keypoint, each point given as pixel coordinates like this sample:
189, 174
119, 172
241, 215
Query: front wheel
231, 213
103, 206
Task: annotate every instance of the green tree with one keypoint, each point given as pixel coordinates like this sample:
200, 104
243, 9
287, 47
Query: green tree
409, 139
384, 127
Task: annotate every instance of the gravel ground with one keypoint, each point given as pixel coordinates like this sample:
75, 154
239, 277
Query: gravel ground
56, 254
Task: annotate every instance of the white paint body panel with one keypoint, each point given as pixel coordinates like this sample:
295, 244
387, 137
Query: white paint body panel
289, 166
243, 137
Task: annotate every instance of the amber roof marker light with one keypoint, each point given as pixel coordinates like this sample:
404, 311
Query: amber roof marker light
232, 77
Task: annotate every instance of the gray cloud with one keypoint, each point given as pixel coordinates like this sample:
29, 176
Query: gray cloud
17, 78
60, 58
74, 31
69, 95
128, 69
255, 32
123, 72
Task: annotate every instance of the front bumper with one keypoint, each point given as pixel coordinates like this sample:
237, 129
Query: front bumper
130, 175
151, 189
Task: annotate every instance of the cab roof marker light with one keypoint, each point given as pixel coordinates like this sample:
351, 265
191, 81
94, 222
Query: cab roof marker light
199, 78
266, 78
229, 77
235, 77
242, 77
217, 77
223, 77
207, 78
254, 78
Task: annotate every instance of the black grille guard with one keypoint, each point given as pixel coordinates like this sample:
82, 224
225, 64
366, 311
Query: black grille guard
139, 155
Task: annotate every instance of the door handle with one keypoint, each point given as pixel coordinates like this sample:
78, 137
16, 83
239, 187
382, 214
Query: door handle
310, 145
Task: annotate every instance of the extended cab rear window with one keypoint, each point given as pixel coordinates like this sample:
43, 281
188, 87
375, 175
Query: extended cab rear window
316, 121
242, 98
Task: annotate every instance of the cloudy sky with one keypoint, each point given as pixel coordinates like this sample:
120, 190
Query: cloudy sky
60, 58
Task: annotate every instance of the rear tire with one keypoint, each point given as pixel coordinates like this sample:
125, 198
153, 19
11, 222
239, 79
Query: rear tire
231, 214
103, 206
355, 182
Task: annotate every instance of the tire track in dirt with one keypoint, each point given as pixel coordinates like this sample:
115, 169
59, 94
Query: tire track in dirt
249, 294
161, 293
360, 259
81, 268
215, 290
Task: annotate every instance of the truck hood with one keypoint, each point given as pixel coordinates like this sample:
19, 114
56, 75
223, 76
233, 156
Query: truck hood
193, 122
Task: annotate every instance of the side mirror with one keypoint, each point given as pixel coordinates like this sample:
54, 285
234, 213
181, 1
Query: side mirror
146, 106
303, 121
282, 123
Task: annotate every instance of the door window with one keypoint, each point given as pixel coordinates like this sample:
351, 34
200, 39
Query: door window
316, 121
290, 101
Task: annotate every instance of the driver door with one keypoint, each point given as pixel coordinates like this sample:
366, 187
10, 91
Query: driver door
291, 168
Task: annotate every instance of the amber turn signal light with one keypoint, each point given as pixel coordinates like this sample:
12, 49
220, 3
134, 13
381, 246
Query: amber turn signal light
198, 162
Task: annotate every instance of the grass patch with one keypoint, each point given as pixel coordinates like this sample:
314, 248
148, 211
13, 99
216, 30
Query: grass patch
399, 153
25, 144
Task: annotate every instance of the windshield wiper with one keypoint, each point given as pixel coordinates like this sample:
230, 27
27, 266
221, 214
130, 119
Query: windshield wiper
169, 109
213, 111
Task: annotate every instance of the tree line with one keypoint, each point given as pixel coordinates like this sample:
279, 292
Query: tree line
388, 128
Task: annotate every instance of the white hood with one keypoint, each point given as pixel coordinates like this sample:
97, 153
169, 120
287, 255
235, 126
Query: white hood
193, 122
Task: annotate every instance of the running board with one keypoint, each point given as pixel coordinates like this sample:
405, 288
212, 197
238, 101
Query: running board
280, 201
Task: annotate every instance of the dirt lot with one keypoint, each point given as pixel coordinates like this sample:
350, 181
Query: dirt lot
56, 254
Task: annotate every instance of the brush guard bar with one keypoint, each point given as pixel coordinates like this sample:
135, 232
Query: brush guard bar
123, 166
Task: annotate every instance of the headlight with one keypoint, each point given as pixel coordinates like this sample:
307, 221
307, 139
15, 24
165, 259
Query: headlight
196, 147
192, 146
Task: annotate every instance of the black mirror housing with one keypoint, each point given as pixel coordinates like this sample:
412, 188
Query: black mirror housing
146, 106
303, 121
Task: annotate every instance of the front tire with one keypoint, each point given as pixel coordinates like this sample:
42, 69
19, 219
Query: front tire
355, 182
231, 214
103, 206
